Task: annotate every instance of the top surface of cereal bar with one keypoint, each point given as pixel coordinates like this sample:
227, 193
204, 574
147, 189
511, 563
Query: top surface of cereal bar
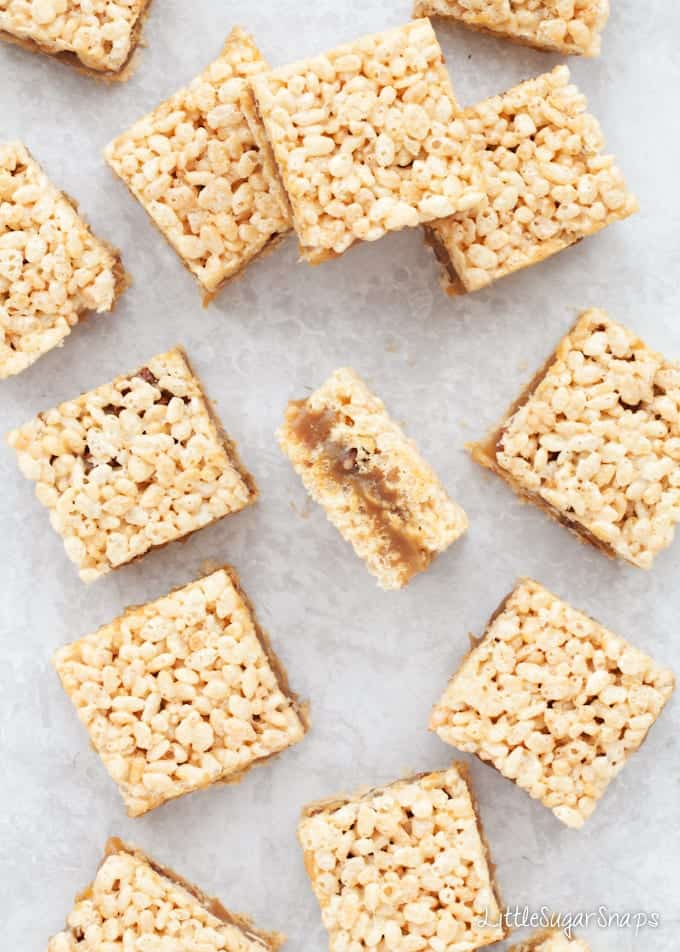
197, 168
598, 439
156, 907
367, 139
553, 700
372, 481
566, 26
52, 268
131, 465
551, 940
100, 34
547, 182
407, 862
181, 693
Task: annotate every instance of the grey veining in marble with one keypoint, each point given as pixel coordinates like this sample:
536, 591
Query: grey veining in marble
371, 663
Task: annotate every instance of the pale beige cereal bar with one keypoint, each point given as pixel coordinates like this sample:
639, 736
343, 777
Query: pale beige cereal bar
53, 270
594, 440
371, 480
181, 693
561, 26
96, 35
134, 464
368, 139
551, 940
552, 700
136, 903
202, 175
548, 184
403, 867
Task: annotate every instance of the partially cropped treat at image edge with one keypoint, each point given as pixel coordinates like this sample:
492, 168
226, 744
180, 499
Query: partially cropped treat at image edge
594, 440
134, 464
403, 867
136, 903
551, 940
560, 26
182, 692
53, 270
201, 168
368, 139
96, 35
372, 482
548, 184
553, 700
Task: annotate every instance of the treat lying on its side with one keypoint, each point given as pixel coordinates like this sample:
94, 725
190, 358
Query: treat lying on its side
132, 465
594, 440
205, 179
97, 35
562, 26
395, 866
371, 480
154, 907
553, 700
53, 270
181, 693
368, 139
547, 184
550, 940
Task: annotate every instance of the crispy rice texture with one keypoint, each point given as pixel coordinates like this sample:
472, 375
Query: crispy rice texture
53, 270
134, 464
548, 184
97, 36
134, 902
181, 693
370, 479
561, 26
368, 139
595, 441
553, 700
403, 867
200, 169
551, 940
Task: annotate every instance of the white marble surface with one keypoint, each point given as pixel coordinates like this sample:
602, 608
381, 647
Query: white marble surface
371, 663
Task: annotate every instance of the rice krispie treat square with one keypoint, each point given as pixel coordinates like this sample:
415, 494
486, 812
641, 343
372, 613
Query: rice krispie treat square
552, 700
203, 175
371, 480
594, 440
134, 464
403, 868
551, 940
547, 184
368, 139
95, 34
134, 903
181, 693
53, 270
562, 26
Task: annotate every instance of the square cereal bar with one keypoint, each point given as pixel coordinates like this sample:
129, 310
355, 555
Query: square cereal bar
371, 480
181, 693
404, 867
202, 175
95, 34
547, 182
368, 139
134, 903
52, 268
551, 940
131, 465
552, 700
562, 26
594, 440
